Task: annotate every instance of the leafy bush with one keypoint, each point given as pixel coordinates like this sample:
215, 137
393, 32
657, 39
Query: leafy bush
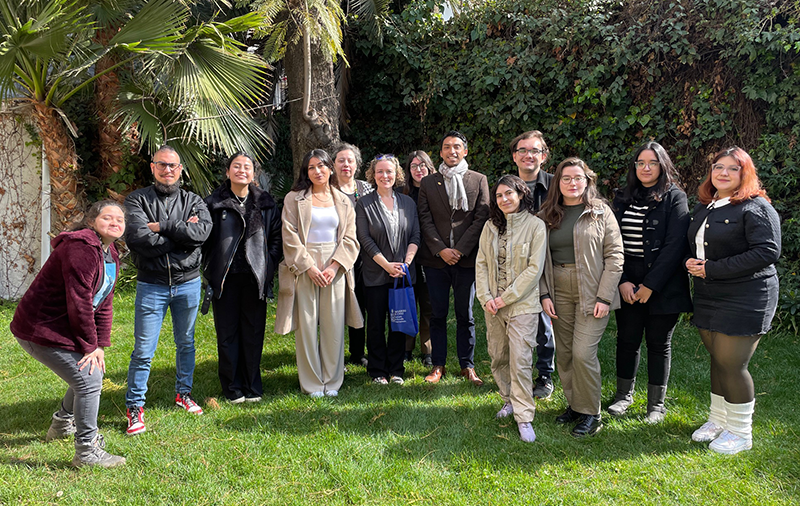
598, 79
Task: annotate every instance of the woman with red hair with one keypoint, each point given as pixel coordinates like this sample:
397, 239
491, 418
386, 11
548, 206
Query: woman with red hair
735, 240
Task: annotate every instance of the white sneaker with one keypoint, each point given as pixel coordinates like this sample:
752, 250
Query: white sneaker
505, 411
332, 393
526, 433
730, 444
709, 431
316, 394
397, 380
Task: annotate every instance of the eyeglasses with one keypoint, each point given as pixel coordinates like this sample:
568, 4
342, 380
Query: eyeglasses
569, 179
718, 167
524, 151
387, 156
165, 167
652, 165
418, 166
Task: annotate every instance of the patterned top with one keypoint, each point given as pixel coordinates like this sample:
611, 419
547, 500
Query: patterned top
632, 228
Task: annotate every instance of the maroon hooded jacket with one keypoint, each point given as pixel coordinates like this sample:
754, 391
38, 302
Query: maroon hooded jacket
56, 311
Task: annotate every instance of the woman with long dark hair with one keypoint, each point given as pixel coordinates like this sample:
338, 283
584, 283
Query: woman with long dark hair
240, 258
653, 216
418, 166
64, 322
579, 286
316, 277
511, 255
735, 241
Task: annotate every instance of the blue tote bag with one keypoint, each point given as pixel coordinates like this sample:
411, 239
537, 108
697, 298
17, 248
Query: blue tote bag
403, 306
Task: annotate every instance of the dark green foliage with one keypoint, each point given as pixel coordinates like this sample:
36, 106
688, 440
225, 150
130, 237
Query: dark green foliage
598, 79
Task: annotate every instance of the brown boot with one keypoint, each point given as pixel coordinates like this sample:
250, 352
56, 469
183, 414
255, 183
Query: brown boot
469, 372
436, 374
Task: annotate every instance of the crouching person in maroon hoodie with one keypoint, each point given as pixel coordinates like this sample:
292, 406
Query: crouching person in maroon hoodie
64, 322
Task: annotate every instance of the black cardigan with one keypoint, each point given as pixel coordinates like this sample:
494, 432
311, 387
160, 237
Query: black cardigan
742, 244
371, 229
665, 249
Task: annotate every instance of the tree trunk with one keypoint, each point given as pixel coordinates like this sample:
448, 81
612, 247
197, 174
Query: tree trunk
324, 132
67, 204
106, 89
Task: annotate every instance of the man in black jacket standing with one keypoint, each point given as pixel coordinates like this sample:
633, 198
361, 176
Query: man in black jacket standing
530, 152
166, 228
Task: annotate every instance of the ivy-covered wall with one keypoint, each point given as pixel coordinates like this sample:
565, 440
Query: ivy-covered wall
598, 78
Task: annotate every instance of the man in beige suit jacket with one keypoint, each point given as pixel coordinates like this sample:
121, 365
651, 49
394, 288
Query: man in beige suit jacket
453, 206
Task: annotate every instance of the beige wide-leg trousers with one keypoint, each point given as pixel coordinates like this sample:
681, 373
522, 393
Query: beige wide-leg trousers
320, 357
577, 338
511, 341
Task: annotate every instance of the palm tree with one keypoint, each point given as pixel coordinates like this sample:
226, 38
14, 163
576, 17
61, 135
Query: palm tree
46, 56
199, 99
49, 52
307, 35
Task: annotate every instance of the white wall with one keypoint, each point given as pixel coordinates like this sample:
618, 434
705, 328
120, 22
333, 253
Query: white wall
20, 207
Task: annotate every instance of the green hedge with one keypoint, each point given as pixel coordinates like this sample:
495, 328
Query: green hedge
598, 78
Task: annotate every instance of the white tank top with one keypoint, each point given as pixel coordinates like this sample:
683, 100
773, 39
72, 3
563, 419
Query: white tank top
324, 222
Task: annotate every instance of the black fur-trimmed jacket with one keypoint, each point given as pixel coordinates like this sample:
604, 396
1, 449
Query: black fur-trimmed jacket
263, 240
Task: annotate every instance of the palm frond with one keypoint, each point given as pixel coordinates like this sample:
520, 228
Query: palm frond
221, 77
155, 27
372, 14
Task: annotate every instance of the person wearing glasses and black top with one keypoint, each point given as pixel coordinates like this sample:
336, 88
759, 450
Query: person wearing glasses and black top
419, 165
529, 152
735, 241
653, 217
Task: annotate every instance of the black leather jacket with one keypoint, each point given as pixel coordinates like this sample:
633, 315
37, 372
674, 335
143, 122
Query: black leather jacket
263, 241
171, 256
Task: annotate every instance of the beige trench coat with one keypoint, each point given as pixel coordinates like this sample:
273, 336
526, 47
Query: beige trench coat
296, 221
599, 257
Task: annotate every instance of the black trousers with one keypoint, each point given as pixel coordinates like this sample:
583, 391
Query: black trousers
356, 336
635, 321
385, 353
239, 319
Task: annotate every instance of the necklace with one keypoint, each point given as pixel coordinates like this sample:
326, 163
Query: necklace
320, 198
240, 200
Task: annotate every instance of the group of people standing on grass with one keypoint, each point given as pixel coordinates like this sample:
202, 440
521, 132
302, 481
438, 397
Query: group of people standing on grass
547, 257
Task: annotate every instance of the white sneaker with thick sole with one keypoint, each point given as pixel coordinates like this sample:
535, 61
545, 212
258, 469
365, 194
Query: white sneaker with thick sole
709, 431
729, 443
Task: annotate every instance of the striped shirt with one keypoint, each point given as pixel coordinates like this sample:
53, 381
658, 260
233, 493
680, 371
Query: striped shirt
632, 227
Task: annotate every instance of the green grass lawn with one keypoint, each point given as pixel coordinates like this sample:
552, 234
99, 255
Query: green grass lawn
414, 444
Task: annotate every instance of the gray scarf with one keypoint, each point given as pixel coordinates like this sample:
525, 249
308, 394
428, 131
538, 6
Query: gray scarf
454, 184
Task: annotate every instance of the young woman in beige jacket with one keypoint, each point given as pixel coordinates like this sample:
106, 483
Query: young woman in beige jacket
511, 255
579, 286
316, 278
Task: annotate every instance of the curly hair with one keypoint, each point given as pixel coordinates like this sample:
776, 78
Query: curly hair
399, 174
526, 201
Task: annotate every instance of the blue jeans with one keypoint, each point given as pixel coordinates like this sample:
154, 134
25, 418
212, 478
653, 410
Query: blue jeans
152, 302
545, 346
462, 280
